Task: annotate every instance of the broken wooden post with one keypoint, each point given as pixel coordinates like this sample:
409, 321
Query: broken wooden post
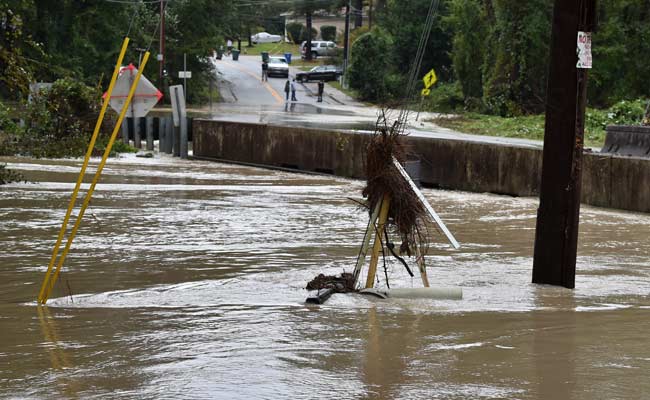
383, 216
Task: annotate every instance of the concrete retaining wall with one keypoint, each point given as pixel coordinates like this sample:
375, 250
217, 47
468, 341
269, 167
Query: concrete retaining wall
608, 180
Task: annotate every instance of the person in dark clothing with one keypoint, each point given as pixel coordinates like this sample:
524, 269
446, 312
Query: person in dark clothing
287, 88
265, 71
321, 88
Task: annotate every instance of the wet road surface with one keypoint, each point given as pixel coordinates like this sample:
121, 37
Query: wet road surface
187, 282
247, 99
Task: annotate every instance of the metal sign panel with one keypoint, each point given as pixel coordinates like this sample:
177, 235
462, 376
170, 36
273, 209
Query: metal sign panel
145, 98
177, 97
429, 79
185, 74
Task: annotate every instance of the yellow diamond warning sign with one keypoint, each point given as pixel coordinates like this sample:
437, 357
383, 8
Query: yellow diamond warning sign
429, 79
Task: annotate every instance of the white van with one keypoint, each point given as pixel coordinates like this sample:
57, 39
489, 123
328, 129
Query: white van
319, 48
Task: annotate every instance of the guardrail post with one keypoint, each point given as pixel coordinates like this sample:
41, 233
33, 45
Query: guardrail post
149, 131
183, 138
125, 130
169, 142
137, 141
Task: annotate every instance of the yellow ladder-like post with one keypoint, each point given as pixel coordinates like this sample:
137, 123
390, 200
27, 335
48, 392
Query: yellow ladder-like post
82, 172
98, 173
383, 216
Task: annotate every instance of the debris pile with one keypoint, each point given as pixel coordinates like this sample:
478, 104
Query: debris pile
339, 284
407, 213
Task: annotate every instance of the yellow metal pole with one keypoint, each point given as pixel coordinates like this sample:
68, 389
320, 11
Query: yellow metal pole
91, 146
109, 146
383, 216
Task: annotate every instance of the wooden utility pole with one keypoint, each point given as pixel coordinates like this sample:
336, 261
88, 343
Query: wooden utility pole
346, 37
558, 215
358, 13
308, 55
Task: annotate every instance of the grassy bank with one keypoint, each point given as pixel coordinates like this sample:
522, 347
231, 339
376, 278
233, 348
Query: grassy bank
532, 127
272, 48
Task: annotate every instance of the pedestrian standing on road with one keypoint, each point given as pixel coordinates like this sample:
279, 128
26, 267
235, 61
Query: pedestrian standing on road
229, 46
287, 88
265, 71
321, 88
293, 90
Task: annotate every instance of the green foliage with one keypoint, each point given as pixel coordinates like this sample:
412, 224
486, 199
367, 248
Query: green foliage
328, 32
355, 34
7, 124
624, 112
274, 25
524, 127
466, 20
445, 98
370, 66
15, 68
303, 34
68, 109
515, 69
620, 49
294, 30
404, 21
58, 122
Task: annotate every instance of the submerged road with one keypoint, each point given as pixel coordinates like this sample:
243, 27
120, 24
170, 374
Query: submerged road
187, 281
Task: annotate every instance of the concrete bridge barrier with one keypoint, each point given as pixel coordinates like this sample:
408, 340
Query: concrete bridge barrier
608, 180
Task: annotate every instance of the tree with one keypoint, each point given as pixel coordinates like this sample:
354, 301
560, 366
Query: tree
466, 19
405, 21
515, 69
16, 68
369, 66
621, 41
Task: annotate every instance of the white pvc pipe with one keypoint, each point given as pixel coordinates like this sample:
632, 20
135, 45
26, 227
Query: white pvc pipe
438, 292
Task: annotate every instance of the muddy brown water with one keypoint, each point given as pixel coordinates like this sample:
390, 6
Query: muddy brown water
187, 282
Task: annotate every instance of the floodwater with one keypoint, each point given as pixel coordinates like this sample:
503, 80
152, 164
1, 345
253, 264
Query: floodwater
186, 281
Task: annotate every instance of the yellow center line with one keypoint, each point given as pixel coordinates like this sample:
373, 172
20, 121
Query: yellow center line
268, 87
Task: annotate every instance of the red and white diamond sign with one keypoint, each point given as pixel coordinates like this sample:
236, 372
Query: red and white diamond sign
146, 95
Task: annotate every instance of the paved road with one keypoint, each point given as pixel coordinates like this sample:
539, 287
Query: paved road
248, 99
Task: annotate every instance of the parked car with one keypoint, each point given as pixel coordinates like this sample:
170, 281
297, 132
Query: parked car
321, 72
264, 37
319, 48
278, 66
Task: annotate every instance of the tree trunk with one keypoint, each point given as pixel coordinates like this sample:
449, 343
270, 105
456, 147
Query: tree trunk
358, 13
308, 44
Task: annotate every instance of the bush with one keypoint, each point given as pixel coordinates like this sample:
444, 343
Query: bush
303, 34
7, 125
328, 32
59, 121
445, 98
370, 66
294, 31
8, 176
625, 112
68, 109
